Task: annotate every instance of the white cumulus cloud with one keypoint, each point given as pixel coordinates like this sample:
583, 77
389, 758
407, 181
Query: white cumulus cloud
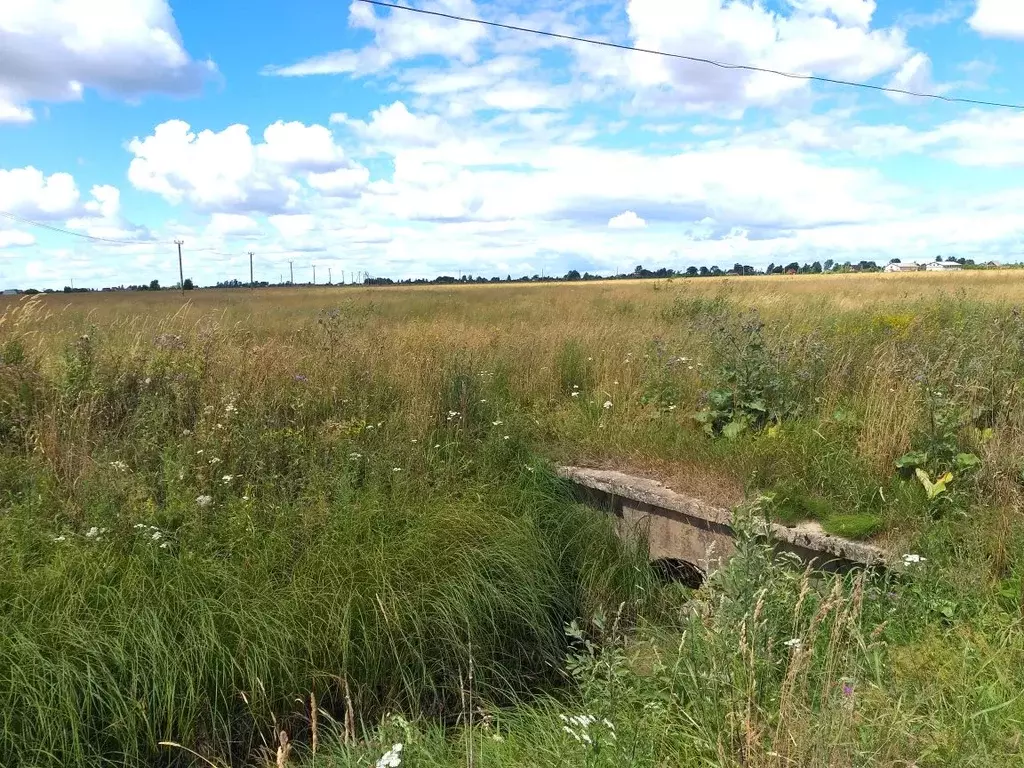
626, 220
999, 18
822, 37
225, 171
54, 49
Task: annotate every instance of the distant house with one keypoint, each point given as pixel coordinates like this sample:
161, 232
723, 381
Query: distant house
10, 292
942, 266
901, 267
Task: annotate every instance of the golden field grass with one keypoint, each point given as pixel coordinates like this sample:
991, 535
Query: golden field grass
879, 326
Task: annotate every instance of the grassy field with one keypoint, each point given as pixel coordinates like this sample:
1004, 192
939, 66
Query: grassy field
222, 507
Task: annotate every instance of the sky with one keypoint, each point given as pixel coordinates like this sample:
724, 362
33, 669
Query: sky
365, 140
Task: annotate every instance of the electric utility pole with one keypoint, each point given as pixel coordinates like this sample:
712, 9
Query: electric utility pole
181, 269
330, 277
314, 274
291, 274
251, 283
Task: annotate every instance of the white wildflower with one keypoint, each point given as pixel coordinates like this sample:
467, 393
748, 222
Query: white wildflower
794, 643
119, 466
497, 423
204, 501
483, 401
156, 536
355, 456
165, 545
392, 758
438, 445
199, 452
574, 394
615, 382
230, 408
414, 440
227, 479
214, 461
396, 469
148, 380
607, 404
186, 432
60, 538
913, 559
505, 437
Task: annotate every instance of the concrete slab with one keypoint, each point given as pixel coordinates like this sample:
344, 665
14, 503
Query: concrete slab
682, 527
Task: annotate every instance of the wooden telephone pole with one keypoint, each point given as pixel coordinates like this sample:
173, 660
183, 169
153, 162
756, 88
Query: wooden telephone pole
181, 269
252, 284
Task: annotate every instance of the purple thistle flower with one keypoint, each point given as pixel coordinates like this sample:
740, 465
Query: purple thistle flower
300, 378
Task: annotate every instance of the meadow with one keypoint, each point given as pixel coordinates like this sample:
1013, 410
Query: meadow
331, 513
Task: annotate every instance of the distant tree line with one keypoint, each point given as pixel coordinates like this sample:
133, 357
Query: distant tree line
573, 275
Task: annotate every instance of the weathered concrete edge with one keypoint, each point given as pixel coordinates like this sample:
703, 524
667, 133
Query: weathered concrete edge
653, 493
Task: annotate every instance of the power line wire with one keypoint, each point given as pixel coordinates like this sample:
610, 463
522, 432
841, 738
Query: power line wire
52, 228
695, 59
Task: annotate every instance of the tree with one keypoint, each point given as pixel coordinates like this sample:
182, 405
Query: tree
187, 285
894, 261
692, 271
154, 285
704, 272
829, 264
572, 274
769, 269
816, 267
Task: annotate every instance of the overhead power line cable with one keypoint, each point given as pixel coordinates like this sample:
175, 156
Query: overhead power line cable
695, 59
52, 228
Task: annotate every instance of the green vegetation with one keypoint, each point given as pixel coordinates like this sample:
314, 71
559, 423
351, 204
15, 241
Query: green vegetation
219, 512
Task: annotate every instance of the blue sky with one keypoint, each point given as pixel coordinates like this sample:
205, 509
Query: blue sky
367, 140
